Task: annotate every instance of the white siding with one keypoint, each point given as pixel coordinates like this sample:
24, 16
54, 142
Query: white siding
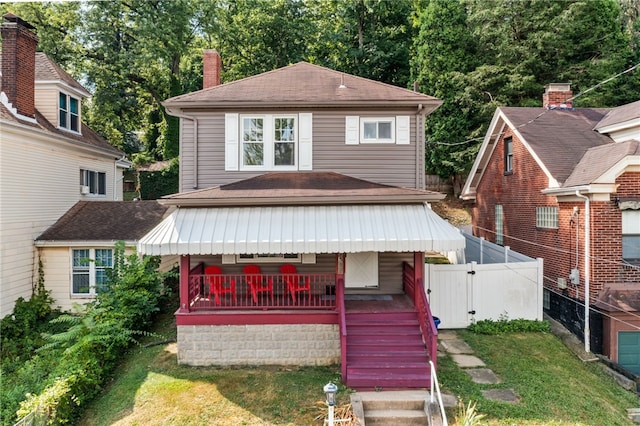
47, 103
56, 264
39, 181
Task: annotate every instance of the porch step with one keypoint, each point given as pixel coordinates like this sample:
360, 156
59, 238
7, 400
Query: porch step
386, 351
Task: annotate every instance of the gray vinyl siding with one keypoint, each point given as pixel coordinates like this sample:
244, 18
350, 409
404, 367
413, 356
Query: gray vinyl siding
390, 164
389, 269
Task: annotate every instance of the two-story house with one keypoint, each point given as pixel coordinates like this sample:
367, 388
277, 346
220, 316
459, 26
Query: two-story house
563, 184
302, 224
49, 162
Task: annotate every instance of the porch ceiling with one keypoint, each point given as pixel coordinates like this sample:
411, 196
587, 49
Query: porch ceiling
302, 229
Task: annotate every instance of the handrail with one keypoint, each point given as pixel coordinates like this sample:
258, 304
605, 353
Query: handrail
343, 327
427, 324
434, 381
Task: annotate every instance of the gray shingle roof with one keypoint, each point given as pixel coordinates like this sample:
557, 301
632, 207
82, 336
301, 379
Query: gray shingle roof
106, 221
47, 69
620, 115
303, 84
598, 160
296, 188
560, 138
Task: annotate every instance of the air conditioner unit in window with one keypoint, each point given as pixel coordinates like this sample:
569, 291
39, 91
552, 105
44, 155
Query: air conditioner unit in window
84, 189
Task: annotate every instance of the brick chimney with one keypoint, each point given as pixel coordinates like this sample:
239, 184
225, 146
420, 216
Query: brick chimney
211, 68
557, 96
19, 64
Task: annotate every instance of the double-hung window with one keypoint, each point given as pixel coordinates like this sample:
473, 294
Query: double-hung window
89, 270
268, 142
92, 182
69, 113
631, 236
508, 155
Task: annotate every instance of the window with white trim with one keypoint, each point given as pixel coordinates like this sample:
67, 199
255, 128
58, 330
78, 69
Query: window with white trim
631, 236
499, 218
89, 270
92, 182
268, 142
368, 130
547, 217
69, 113
377, 130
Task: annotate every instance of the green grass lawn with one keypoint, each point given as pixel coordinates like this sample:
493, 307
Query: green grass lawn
554, 386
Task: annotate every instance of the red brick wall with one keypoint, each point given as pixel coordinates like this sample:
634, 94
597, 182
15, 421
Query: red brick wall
520, 193
18, 66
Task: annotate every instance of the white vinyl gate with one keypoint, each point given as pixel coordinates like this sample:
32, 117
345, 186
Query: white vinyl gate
462, 294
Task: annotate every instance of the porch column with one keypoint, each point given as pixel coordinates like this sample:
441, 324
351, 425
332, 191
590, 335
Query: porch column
185, 267
418, 274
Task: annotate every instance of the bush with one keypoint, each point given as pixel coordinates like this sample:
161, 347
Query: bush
504, 325
94, 337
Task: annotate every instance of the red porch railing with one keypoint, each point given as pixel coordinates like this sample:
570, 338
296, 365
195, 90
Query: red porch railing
274, 291
414, 288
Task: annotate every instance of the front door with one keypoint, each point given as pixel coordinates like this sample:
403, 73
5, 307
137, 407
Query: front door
361, 270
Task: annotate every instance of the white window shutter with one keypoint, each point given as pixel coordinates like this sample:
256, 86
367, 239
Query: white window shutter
402, 130
231, 141
305, 141
352, 128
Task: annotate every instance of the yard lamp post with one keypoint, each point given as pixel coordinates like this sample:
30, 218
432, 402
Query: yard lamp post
330, 390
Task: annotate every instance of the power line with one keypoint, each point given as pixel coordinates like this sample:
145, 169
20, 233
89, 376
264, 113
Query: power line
542, 113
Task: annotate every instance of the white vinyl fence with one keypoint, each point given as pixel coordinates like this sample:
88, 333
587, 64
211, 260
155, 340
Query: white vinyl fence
465, 293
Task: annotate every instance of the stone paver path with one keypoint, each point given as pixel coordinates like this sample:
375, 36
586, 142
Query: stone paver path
462, 355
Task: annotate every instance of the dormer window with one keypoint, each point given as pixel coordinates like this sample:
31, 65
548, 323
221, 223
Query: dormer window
69, 113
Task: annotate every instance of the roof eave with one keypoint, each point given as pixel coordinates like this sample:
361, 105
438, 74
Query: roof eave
302, 201
226, 105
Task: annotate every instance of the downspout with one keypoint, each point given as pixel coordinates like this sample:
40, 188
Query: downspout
195, 144
419, 142
115, 178
587, 271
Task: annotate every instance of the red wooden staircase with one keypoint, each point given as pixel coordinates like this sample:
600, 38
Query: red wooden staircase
386, 351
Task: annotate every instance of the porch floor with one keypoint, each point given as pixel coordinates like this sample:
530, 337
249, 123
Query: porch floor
358, 303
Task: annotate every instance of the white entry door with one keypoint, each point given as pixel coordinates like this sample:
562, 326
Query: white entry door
361, 270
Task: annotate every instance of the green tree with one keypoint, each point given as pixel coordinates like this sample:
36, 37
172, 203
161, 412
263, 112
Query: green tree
444, 54
368, 38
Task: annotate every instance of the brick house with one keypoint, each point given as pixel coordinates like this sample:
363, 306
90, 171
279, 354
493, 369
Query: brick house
563, 184
302, 225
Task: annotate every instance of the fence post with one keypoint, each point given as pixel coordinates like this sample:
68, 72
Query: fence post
506, 254
481, 250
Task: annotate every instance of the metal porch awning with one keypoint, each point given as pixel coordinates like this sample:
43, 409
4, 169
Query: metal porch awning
301, 229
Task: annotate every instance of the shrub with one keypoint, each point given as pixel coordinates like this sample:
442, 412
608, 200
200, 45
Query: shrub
94, 337
504, 325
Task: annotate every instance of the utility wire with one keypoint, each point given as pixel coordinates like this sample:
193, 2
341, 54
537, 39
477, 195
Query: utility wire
542, 113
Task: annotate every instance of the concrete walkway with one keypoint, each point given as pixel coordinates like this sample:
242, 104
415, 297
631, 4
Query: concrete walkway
463, 355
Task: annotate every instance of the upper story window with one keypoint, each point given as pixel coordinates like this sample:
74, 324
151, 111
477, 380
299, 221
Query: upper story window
631, 236
547, 217
508, 155
92, 182
69, 113
377, 130
89, 270
370, 130
269, 142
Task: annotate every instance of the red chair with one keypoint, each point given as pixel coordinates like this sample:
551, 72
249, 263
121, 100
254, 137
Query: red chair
218, 284
257, 283
295, 283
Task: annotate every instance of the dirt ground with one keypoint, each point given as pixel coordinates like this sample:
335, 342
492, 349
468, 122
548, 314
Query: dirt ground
453, 210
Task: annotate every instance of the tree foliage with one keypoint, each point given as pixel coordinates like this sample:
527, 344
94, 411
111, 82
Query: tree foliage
473, 54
